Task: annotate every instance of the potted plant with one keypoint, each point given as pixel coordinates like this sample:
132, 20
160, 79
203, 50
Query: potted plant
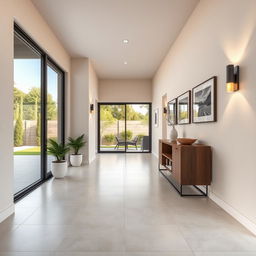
76, 144
59, 150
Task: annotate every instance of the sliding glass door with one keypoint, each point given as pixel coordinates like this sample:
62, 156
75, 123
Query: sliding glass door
124, 127
54, 107
137, 127
112, 127
27, 114
38, 112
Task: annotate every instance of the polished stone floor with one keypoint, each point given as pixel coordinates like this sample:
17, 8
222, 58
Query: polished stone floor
120, 206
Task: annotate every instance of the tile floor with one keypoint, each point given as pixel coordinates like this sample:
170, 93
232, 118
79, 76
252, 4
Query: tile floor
120, 206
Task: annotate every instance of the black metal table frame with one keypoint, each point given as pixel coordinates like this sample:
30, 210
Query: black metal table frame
180, 191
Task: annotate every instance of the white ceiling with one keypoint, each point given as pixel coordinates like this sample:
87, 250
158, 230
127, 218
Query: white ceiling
96, 29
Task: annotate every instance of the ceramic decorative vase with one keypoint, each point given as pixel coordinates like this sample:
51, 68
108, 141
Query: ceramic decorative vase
174, 134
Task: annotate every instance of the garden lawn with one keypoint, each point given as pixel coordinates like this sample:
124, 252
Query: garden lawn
28, 151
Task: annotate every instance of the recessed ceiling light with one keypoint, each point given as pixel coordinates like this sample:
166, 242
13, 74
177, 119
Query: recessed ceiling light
125, 41
125, 63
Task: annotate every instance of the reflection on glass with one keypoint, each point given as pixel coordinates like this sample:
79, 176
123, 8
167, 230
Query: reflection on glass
26, 123
52, 109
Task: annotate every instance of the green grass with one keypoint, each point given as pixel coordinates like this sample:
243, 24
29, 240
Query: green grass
28, 151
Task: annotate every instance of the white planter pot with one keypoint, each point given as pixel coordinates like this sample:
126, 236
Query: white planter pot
76, 160
59, 169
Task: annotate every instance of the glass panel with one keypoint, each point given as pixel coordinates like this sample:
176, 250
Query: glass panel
112, 127
52, 109
26, 123
137, 128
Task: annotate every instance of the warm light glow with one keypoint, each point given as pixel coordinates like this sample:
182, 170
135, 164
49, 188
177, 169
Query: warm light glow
125, 41
235, 46
232, 87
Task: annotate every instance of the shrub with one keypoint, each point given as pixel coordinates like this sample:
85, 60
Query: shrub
109, 137
38, 130
18, 129
128, 135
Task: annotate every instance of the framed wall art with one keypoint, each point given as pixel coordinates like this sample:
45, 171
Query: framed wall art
204, 101
172, 112
183, 108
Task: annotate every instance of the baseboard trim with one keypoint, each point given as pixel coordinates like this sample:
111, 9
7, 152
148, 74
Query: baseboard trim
234, 213
4, 214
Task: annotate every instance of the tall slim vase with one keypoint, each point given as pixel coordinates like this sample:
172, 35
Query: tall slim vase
173, 134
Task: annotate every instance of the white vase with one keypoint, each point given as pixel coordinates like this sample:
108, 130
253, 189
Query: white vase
59, 169
76, 160
173, 134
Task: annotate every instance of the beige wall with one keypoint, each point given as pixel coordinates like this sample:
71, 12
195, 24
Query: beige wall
25, 14
137, 90
84, 92
80, 100
93, 99
219, 32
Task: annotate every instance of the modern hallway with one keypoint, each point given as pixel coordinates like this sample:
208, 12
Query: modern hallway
120, 205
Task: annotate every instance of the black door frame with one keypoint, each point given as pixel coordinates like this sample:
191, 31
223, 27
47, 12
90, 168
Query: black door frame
124, 104
45, 59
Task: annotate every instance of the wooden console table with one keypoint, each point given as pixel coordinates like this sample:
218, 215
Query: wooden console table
187, 165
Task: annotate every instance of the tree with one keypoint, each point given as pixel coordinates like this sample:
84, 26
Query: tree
33, 99
38, 125
18, 96
18, 129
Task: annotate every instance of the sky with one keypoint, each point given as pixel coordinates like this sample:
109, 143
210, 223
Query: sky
143, 109
27, 75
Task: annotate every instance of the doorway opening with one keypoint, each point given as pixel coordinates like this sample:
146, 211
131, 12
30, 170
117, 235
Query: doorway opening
124, 127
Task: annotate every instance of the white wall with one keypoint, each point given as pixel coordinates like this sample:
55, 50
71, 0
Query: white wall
25, 14
84, 91
218, 33
130, 90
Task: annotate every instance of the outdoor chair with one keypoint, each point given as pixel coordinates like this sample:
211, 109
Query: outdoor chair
120, 142
133, 142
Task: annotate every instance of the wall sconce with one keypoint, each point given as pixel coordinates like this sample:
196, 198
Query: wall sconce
91, 108
232, 83
165, 110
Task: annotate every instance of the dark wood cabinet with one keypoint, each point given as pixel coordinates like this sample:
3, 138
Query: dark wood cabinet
187, 164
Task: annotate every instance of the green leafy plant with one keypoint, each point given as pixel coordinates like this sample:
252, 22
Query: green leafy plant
59, 150
109, 137
77, 143
129, 134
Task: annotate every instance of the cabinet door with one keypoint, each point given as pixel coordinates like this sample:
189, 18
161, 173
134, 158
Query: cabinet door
176, 163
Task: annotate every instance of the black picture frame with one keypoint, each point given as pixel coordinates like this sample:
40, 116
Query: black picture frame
184, 101
204, 96
172, 112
